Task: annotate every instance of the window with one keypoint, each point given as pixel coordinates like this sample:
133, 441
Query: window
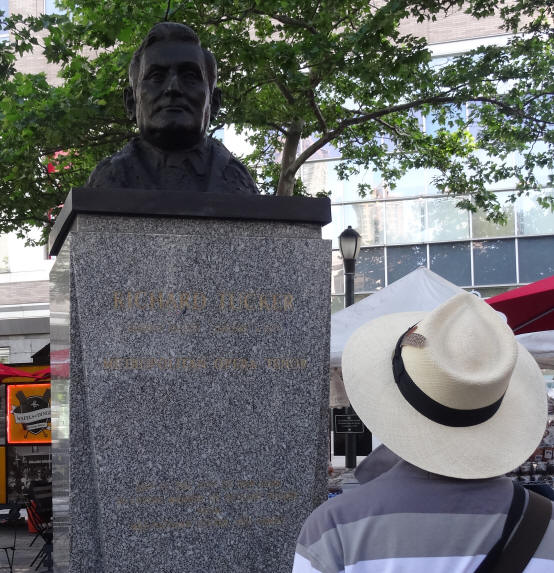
536, 258
488, 292
337, 274
368, 219
544, 175
411, 184
370, 270
446, 222
481, 228
335, 227
321, 176
532, 219
430, 187
403, 260
5, 355
405, 221
337, 303
451, 261
494, 262
509, 161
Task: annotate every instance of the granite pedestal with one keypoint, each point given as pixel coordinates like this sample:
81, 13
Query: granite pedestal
190, 355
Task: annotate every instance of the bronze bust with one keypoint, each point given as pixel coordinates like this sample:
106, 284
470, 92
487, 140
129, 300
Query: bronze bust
172, 97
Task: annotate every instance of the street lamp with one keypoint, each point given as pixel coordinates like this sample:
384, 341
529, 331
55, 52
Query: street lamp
349, 244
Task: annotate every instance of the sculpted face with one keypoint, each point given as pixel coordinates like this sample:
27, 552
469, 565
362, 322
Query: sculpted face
172, 99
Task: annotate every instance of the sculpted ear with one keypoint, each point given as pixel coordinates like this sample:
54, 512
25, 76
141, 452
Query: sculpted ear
130, 105
215, 104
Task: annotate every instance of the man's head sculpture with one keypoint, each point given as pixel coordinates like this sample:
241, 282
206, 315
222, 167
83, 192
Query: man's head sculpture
172, 94
172, 97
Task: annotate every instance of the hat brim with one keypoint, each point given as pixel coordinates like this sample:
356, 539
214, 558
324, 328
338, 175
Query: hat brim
489, 449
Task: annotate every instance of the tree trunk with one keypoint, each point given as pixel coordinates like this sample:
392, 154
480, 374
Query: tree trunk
290, 149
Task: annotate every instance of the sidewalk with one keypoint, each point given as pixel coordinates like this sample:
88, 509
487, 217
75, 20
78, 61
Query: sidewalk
24, 553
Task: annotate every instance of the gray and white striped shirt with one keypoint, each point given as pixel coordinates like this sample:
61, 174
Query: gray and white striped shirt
407, 520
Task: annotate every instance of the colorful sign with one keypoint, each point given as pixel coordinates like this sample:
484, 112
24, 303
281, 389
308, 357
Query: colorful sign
2, 475
29, 413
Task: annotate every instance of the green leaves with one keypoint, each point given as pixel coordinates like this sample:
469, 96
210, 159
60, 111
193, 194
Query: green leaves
343, 70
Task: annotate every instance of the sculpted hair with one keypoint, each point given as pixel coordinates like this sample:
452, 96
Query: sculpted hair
171, 31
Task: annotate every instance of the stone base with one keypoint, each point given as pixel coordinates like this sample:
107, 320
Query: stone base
190, 391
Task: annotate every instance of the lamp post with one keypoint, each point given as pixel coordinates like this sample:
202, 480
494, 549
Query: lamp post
349, 244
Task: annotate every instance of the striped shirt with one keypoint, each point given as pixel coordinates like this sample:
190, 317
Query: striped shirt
407, 520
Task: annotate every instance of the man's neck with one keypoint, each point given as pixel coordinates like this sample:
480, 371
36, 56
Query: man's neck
174, 152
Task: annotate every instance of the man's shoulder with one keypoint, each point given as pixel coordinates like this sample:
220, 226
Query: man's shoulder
342, 509
405, 492
235, 174
112, 170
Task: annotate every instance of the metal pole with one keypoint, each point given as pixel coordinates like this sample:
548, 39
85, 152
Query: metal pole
350, 440
349, 284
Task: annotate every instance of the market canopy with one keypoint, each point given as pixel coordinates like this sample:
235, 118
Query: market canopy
529, 308
421, 289
540, 345
9, 372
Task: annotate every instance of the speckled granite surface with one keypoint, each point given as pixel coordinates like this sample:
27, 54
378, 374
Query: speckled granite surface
193, 435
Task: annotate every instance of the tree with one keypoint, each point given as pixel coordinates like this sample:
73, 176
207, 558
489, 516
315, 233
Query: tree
319, 71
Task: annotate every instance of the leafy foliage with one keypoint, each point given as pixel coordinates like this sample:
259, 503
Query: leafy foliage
323, 71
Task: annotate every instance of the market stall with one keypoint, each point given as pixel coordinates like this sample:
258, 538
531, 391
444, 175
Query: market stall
25, 429
529, 311
424, 290
529, 308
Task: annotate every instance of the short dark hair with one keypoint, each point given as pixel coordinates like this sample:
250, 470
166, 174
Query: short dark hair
171, 31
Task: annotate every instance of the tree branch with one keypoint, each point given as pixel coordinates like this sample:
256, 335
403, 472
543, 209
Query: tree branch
243, 14
21, 36
317, 111
376, 115
289, 21
390, 127
509, 110
538, 96
285, 91
277, 128
259, 85
236, 17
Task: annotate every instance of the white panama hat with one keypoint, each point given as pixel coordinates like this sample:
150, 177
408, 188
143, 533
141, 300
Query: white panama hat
463, 398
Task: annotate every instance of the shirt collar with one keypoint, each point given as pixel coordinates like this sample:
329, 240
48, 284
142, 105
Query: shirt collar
195, 158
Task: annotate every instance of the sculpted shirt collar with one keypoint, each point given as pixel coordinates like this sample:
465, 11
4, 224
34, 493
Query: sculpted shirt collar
196, 159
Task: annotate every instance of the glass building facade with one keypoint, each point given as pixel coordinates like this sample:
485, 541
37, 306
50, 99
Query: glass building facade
413, 225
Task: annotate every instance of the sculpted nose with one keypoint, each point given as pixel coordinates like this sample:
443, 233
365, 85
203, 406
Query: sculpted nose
173, 85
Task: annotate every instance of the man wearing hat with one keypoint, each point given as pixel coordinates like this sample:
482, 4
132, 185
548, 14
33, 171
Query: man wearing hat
458, 403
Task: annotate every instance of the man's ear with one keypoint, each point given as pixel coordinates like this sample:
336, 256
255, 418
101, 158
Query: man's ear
215, 103
130, 104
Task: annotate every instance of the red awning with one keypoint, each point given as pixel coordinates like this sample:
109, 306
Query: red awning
42, 373
529, 308
7, 371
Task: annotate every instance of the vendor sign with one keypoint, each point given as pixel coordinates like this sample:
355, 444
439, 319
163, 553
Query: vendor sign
29, 413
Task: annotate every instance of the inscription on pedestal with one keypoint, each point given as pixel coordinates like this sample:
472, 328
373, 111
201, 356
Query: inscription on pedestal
201, 409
